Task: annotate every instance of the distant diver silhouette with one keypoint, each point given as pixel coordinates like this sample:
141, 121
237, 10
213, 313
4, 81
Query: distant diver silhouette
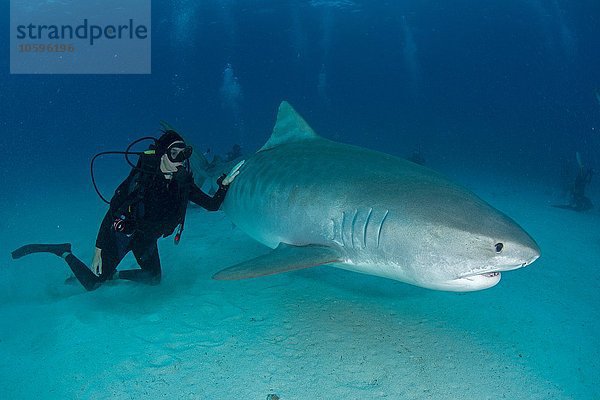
578, 200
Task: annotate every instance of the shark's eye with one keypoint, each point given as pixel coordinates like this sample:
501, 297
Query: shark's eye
499, 247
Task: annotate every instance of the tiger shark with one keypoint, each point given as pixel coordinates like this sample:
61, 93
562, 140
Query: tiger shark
318, 202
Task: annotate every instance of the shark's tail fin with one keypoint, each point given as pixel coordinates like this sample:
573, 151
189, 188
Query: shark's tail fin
199, 165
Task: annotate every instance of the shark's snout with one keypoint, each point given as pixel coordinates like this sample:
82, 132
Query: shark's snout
528, 250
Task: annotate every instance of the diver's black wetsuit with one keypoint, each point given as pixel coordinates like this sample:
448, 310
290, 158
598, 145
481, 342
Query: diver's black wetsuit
149, 206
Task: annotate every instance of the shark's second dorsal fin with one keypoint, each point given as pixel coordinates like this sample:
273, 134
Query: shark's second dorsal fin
290, 127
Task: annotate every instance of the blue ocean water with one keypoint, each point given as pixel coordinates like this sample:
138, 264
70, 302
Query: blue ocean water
499, 95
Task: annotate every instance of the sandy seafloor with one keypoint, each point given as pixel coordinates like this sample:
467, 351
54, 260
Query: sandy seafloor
323, 333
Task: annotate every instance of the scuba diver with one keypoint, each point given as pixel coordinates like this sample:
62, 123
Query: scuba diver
579, 201
151, 202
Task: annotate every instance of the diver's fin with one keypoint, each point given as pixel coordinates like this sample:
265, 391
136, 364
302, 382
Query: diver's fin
58, 249
283, 259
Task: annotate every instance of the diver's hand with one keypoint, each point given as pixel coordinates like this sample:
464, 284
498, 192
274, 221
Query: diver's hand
97, 262
234, 172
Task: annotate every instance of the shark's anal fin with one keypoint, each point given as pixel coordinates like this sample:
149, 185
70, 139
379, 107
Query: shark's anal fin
283, 259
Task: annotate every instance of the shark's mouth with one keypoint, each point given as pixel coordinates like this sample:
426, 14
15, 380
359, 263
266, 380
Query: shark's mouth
469, 283
482, 278
490, 274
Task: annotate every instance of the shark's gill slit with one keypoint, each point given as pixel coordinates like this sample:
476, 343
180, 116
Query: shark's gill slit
366, 226
381, 227
342, 230
353, 226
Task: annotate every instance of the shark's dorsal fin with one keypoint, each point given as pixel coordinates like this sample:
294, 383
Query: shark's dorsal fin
290, 127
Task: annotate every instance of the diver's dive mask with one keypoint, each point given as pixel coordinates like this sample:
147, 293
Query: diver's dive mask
178, 152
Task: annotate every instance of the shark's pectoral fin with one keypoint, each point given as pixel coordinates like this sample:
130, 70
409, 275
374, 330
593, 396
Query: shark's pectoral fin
283, 259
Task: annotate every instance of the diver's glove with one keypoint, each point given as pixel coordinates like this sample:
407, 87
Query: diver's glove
233, 173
